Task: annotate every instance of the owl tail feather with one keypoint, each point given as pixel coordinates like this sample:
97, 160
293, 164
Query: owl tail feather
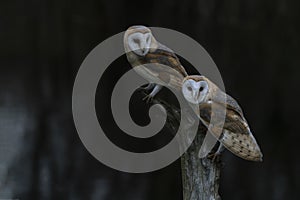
242, 145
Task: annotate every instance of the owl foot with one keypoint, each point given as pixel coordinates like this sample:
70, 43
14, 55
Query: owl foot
150, 96
148, 87
214, 156
156, 89
217, 154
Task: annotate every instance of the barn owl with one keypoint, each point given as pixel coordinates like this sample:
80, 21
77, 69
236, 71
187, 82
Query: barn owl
141, 49
235, 134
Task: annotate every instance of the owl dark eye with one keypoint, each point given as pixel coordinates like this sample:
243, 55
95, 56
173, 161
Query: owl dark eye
189, 88
201, 89
136, 40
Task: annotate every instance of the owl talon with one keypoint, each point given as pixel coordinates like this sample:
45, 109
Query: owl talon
217, 154
214, 156
148, 98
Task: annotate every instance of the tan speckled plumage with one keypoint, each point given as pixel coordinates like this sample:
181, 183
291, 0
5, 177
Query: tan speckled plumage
157, 54
235, 134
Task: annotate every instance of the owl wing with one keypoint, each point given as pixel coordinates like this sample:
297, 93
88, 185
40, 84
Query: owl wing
229, 103
165, 56
235, 134
171, 59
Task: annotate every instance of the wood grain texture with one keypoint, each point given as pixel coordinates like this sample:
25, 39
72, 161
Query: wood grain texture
200, 177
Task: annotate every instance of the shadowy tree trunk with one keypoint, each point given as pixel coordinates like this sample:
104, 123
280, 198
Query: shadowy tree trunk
200, 177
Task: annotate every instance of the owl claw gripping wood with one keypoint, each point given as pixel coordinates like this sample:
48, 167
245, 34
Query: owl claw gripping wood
143, 49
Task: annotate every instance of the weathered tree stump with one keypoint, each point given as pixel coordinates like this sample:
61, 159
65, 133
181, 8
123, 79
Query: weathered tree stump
200, 177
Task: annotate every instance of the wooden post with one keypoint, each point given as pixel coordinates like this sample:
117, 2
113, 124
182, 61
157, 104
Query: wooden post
200, 177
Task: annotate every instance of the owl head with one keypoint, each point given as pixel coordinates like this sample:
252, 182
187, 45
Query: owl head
195, 89
138, 39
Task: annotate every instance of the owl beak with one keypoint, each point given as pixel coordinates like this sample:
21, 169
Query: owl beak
144, 50
195, 95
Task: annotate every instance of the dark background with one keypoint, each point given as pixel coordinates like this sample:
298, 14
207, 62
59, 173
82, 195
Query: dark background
254, 43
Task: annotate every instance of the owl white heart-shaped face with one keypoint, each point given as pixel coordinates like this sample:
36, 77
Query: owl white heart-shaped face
139, 43
195, 91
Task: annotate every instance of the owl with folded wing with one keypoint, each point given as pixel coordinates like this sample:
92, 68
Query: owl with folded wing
143, 49
235, 133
